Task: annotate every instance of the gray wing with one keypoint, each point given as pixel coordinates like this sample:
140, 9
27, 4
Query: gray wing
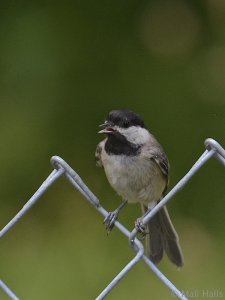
154, 151
98, 154
162, 161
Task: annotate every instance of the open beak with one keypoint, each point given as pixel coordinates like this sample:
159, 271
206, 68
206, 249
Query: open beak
107, 127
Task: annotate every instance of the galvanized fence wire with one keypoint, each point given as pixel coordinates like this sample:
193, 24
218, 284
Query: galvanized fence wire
213, 149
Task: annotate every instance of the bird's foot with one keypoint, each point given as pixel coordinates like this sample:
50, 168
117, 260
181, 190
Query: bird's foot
112, 217
141, 228
110, 220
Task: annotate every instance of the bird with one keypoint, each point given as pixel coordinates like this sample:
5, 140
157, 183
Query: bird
137, 168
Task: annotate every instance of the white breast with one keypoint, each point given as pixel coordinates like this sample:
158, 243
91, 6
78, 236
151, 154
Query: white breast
135, 179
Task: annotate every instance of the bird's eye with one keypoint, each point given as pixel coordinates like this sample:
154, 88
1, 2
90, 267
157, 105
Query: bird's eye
126, 123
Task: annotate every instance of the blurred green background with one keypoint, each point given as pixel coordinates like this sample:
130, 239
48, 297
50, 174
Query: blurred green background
63, 67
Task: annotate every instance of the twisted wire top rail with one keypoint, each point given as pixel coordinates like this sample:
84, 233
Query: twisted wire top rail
213, 149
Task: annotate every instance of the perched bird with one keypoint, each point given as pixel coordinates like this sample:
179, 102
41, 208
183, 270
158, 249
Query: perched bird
137, 168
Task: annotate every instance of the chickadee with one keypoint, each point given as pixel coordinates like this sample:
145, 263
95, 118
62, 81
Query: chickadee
137, 168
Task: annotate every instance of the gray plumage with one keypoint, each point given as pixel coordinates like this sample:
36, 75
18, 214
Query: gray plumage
137, 168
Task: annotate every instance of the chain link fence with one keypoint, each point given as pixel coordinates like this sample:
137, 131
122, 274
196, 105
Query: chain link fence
61, 168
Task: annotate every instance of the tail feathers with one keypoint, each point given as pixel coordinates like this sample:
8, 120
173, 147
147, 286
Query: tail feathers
154, 240
163, 236
170, 238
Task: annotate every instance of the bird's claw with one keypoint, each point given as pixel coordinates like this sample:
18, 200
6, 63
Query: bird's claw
141, 228
109, 221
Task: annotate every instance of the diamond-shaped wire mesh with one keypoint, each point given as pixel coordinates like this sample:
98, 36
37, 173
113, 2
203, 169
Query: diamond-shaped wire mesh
213, 149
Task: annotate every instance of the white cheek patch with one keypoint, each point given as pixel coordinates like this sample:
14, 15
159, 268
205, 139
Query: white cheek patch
135, 134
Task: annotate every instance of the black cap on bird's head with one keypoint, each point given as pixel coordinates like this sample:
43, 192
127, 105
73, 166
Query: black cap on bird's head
122, 118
